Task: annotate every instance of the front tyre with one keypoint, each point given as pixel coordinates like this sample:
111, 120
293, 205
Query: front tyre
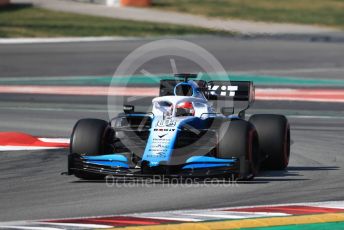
90, 137
238, 138
274, 139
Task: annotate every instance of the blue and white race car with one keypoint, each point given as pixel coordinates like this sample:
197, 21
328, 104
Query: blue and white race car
183, 136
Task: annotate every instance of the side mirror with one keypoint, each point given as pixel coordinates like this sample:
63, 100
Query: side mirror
227, 111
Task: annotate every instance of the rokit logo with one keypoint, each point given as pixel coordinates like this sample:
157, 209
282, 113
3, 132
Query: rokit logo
226, 90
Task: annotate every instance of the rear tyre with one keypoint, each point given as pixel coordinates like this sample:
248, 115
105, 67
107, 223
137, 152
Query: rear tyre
90, 137
274, 139
238, 138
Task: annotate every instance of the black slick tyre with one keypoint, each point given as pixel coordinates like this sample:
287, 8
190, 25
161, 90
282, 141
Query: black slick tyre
274, 139
90, 137
238, 138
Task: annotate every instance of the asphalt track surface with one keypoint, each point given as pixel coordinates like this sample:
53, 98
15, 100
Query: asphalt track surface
31, 184
298, 57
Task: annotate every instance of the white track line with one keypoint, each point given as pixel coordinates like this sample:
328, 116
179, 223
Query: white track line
55, 140
27, 227
204, 215
63, 40
77, 225
329, 204
25, 148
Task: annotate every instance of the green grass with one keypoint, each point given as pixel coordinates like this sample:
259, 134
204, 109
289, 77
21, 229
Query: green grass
26, 21
314, 12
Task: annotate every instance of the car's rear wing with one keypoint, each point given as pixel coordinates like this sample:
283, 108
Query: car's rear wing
230, 90
216, 90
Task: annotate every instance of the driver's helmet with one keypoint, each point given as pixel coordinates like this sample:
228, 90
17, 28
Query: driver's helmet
185, 109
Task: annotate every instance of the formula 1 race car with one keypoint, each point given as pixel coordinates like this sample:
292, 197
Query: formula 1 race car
183, 136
